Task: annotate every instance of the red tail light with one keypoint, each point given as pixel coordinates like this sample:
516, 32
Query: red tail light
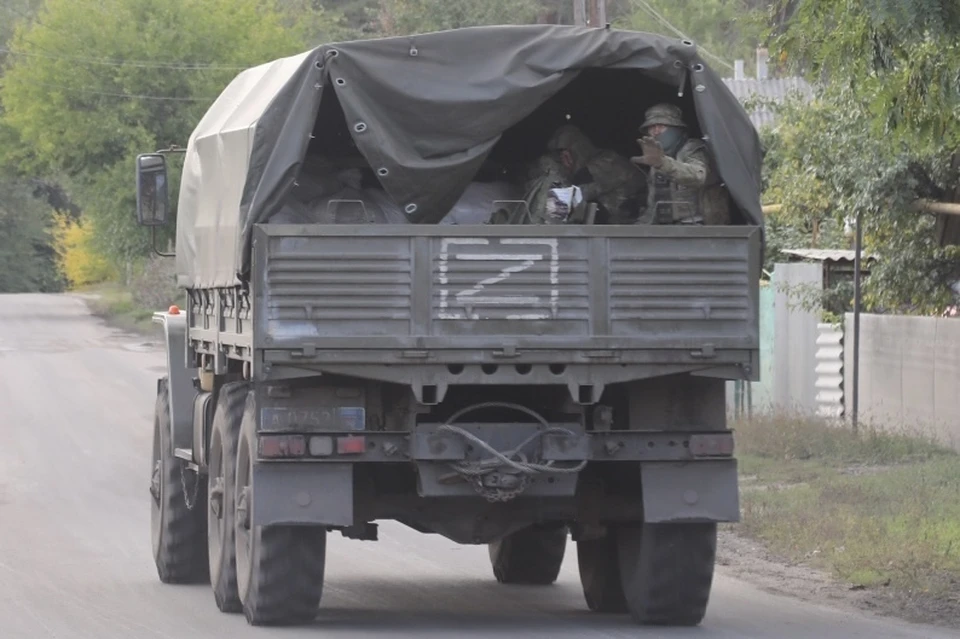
279, 446
351, 445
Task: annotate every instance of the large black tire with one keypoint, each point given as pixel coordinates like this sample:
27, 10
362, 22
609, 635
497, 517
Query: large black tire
531, 556
280, 569
224, 439
667, 571
599, 565
178, 533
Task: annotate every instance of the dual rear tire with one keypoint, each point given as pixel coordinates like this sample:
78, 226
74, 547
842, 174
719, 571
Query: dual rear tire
531, 556
659, 573
280, 569
177, 506
202, 529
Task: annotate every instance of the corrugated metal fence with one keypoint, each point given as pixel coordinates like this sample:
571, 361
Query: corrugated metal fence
829, 371
909, 366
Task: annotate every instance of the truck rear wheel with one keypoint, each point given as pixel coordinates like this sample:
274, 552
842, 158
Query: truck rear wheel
667, 571
224, 437
279, 568
177, 508
599, 565
530, 556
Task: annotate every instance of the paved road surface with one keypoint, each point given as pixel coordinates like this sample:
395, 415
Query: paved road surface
76, 401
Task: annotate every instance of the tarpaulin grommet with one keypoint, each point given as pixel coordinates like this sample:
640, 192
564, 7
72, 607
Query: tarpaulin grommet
318, 64
677, 63
334, 53
341, 82
697, 68
360, 127
383, 171
414, 52
688, 43
410, 209
701, 88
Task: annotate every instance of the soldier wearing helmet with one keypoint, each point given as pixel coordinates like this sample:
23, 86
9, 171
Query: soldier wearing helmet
683, 183
603, 176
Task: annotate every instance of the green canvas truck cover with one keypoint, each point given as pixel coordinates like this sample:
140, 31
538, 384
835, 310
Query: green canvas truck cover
425, 111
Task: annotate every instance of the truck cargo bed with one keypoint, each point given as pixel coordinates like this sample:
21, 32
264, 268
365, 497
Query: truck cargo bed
380, 294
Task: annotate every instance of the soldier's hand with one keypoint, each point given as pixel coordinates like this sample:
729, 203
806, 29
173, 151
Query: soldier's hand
652, 153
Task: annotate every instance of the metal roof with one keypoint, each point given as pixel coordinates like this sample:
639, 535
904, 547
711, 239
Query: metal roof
775, 89
826, 255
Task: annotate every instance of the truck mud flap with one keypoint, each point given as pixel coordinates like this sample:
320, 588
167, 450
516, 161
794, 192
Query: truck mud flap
180, 378
690, 492
302, 494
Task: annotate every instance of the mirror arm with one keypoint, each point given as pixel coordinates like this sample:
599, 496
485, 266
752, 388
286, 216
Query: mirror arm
153, 233
173, 148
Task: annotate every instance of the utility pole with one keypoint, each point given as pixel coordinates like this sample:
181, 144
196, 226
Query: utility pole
590, 13
580, 12
598, 13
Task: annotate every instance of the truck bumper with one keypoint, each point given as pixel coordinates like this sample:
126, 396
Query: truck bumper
681, 477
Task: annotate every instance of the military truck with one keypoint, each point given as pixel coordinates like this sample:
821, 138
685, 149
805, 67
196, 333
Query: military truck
357, 344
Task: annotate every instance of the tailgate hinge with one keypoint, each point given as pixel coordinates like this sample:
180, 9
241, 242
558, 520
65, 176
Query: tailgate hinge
508, 350
707, 351
307, 350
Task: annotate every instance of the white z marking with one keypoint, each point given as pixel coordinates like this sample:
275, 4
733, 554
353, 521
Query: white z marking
470, 298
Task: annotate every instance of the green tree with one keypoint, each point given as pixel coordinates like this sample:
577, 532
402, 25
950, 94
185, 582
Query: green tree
725, 30
361, 17
402, 17
91, 83
883, 131
315, 22
27, 258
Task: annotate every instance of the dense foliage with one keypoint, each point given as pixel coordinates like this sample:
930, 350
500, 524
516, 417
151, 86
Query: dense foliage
28, 261
725, 30
87, 84
883, 131
94, 82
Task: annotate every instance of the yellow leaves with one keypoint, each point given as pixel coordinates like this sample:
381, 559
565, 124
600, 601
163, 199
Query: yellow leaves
77, 259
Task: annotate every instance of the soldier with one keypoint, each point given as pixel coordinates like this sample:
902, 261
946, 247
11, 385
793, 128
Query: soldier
603, 176
546, 173
683, 183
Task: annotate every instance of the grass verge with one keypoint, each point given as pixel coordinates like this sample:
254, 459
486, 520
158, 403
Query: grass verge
151, 286
117, 306
874, 508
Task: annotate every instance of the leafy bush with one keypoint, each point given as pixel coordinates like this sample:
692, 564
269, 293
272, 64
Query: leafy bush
79, 262
153, 287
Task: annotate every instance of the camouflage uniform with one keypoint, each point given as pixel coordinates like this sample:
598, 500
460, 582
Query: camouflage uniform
604, 177
685, 188
545, 174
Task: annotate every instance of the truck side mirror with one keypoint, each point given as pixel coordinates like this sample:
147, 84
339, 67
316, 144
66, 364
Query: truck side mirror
152, 199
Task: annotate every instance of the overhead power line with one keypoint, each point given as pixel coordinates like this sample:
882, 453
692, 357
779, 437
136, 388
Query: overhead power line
130, 96
656, 15
141, 64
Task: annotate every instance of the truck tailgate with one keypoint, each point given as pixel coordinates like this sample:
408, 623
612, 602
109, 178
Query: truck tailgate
530, 287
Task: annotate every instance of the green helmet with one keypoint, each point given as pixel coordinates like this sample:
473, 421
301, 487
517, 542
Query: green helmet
567, 137
570, 138
668, 114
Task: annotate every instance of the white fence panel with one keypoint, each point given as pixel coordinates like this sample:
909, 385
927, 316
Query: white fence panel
829, 370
